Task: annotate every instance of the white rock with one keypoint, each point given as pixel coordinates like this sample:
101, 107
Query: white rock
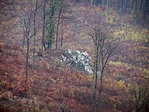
78, 52
88, 69
68, 51
85, 54
63, 57
78, 59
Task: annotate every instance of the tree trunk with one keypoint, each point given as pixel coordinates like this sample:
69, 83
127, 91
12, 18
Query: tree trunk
100, 92
43, 26
23, 43
132, 7
50, 45
97, 2
92, 2
51, 30
34, 24
59, 14
96, 75
107, 4
124, 7
50, 37
24, 36
62, 33
26, 64
144, 9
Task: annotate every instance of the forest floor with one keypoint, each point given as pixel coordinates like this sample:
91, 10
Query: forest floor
53, 86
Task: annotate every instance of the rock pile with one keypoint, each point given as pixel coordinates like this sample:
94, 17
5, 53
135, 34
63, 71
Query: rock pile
80, 60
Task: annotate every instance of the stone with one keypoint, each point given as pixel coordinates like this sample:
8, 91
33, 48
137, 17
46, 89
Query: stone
62, 58
89, 69
80, 60
68, 51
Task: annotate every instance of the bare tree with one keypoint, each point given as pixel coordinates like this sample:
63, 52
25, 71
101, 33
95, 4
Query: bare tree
28, 32
141, 95
96, 62
105, 47
28, 21
37, 6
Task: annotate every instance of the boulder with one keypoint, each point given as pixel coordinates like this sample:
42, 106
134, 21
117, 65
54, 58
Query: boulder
80, 60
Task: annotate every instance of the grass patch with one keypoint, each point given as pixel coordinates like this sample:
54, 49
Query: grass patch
146, 73
138, 35
118, 63
130, 34
111, 20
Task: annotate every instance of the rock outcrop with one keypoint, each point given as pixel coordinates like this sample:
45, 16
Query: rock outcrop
80, 60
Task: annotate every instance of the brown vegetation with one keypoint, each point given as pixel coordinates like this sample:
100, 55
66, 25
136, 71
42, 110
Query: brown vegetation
53, 86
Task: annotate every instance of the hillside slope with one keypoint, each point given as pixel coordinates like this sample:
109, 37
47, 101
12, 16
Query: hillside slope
54, 87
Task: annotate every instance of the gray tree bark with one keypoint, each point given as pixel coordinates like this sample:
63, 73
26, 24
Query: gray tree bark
43, 26
58, 23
